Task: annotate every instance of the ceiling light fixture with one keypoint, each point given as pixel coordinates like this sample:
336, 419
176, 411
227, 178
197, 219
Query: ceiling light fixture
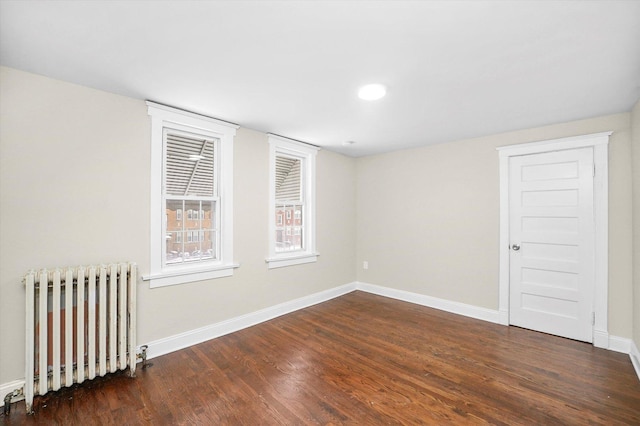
372, 92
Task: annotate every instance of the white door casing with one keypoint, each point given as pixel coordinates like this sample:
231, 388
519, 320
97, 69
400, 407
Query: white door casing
596, 301
551, 232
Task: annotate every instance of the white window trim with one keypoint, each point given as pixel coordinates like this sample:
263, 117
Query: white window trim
163, 117
281, 145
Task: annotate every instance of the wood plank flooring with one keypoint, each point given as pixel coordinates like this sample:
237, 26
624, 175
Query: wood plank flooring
362, 359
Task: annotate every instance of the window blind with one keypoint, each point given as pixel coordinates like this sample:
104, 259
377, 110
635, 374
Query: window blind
288, 179
190, 167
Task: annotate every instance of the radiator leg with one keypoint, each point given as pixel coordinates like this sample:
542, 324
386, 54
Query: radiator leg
143, 355
7, 400
7, 403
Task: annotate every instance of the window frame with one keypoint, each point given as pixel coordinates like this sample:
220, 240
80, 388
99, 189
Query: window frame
307, 153
165, 117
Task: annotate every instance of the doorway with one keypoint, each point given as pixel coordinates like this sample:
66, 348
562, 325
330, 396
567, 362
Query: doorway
553, 237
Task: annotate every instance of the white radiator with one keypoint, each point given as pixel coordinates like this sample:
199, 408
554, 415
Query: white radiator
81, 323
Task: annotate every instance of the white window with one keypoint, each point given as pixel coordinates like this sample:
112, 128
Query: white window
191, 171
292, 183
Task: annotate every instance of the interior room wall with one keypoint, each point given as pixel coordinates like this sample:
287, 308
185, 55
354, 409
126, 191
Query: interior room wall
74, 189
428, 218
74, 185
635, 138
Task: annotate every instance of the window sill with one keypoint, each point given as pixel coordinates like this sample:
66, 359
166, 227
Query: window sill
290, 260
182, 276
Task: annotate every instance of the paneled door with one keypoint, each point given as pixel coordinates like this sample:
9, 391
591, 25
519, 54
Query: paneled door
551, 233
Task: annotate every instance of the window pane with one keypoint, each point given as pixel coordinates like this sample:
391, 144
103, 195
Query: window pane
174, 220
208, 245
190, 167
288, 179
191, 226
289, 228
208, 214
174, 247
298, 228
280, 243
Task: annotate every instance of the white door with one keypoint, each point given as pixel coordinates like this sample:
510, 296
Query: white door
551, 232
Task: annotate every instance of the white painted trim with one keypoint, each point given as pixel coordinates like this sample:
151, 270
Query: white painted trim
561, 144
190, 275
9, 387
162, 117
634, 354
292, 260
601, 218
599, 142
619, 344
307, 154
471, 311
601, 339
199, 335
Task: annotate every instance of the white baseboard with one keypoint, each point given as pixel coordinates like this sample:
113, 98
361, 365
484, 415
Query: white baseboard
504, 316
634, 354
434, 302
7, 388
619, 344
180, 341
199, 335
183, 340
626, 346
601, 339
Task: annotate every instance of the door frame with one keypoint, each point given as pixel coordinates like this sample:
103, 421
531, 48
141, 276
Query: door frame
599, 143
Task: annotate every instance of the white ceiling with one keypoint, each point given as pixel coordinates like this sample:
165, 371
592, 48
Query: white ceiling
453, 70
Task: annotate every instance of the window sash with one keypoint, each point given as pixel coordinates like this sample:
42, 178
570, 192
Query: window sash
289, 234
164, 117
300, 245
190, 234
190, 170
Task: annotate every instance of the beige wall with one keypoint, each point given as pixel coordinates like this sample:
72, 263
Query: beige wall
635, 127
425, 219
74, 188
428, 218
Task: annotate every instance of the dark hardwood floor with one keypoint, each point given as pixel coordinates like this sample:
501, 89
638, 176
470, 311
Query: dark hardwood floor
362, 359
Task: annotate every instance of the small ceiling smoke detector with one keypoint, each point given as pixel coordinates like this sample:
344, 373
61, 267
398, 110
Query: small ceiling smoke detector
372, 92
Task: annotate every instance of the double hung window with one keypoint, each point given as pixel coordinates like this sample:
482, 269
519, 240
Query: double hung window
292, 202
191, 202
190, 184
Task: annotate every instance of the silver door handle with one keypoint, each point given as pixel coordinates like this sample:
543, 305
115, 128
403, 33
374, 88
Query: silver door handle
515, 247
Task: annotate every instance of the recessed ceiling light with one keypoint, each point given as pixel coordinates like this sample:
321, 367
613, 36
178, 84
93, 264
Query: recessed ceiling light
371, 92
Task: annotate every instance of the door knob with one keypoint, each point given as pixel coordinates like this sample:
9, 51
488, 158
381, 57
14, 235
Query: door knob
515, 247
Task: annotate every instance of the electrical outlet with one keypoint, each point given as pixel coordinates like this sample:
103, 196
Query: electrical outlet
365, 265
